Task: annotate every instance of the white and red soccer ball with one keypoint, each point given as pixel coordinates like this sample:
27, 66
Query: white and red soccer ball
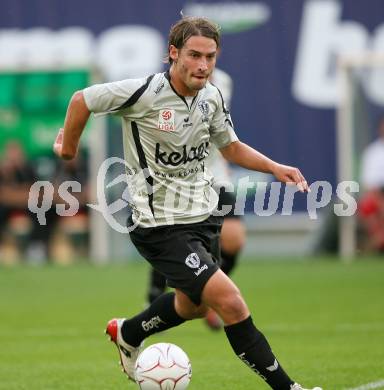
163, 366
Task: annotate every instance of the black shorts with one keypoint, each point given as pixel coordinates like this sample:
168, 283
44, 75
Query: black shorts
186, 254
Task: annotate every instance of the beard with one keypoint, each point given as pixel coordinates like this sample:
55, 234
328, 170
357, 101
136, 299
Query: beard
197, 85
197, 82
193, 81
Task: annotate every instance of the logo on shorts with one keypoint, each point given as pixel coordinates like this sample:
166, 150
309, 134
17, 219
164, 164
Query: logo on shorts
201, 269
192, 260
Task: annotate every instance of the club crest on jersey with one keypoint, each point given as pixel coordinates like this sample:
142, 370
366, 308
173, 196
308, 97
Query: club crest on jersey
166, 120
204, 107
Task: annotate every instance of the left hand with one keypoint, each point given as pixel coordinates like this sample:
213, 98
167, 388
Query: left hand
291, 175
58, 144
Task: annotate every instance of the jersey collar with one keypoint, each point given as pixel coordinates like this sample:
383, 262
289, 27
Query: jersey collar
167, 75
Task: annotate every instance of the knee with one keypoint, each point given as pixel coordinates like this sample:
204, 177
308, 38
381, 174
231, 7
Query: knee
232, 308
234, 245
232, 236
223, 296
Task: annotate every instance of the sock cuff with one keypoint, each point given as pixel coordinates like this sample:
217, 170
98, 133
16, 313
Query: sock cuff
228, 261
239, 327
243, 335
169, 306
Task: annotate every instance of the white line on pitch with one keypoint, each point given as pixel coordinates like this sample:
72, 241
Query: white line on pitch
368, 386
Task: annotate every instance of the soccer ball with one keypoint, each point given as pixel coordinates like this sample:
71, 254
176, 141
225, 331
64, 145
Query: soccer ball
163, 366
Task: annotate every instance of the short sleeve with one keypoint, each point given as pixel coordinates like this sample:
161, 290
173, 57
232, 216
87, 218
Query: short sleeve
110, 97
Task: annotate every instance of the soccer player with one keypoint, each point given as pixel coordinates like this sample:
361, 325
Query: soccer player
232, 236
371, 203
169, 120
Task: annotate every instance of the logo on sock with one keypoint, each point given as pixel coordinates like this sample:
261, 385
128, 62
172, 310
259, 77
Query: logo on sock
274, 366
251, 365
152, 323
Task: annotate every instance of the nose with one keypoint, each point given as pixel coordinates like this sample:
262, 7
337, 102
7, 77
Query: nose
203, 65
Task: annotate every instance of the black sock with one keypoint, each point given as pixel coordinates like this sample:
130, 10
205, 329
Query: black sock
159, 316
157, 285
228, 261
253, 349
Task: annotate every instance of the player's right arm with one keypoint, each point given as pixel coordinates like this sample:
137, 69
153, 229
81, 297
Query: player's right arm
99, 99
68, 138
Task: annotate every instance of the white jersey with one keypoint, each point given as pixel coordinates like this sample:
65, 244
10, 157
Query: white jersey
216, 163
166, 142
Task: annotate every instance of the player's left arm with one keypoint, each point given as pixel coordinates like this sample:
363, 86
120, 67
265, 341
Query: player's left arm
241, 154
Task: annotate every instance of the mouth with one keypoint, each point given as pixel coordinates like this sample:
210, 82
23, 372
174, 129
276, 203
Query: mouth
200, 77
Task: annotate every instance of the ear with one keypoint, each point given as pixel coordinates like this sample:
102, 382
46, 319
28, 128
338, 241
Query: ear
173, 53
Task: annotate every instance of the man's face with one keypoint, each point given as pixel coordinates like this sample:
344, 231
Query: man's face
193, 64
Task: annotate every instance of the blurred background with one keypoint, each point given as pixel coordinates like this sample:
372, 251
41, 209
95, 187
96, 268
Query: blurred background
308, 90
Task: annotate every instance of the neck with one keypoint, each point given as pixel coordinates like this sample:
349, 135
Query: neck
178, 84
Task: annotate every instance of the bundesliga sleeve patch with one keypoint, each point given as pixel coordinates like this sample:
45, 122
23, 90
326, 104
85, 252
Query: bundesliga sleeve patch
166, 120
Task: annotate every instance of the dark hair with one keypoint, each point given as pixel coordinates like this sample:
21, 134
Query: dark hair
188, 27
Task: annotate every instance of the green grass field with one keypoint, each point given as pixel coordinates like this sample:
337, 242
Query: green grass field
324, 320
